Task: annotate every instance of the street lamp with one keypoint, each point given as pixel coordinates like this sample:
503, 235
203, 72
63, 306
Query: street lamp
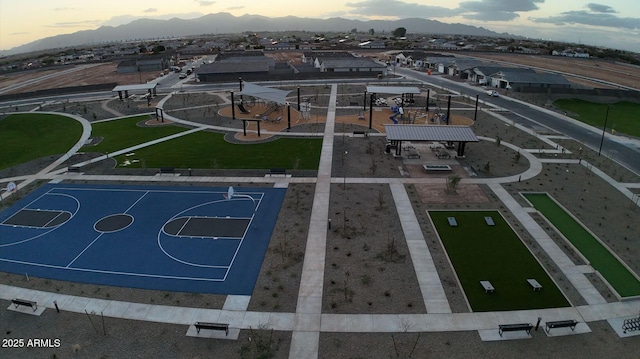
344, 170
604, 129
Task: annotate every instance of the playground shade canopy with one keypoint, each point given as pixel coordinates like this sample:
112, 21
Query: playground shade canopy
265, 93
430, 133
394, 90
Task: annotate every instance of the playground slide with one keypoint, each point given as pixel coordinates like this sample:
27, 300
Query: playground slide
242, 108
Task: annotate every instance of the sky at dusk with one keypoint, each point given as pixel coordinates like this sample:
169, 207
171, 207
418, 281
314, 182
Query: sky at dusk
611, 23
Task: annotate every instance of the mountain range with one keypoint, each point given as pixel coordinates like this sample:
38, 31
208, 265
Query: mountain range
225, 23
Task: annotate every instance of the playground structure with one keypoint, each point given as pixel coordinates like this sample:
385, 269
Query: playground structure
397, 110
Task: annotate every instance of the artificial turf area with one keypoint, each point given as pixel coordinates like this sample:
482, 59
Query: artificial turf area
600, 258
495, 253
26, 137
622, 115
210, 150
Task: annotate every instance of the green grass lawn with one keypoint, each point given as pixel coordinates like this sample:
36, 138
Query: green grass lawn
210, 150
623, 116
618, 276
25, 137
124, 133
494, 253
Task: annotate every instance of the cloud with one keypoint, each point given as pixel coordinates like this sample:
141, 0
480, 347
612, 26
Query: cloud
205, 3
398, 9
83, 23
19, 33
601, 8
496, 10
125, 19
594, 18
151, 9
239, 7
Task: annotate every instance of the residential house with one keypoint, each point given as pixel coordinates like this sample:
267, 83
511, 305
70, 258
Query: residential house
518, 79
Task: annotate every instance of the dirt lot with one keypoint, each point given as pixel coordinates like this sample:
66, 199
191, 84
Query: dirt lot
86, 75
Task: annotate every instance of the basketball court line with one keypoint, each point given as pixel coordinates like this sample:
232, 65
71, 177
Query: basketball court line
89, 206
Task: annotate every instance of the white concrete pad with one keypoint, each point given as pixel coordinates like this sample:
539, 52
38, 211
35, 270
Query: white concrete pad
581, 328
616, 325
236, 302
27, 310
234, 333
492, 335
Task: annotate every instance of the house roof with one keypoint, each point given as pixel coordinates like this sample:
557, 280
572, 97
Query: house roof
352, 63
265, 93
533, 78
490, 70
430, 133
233, 65
394, 90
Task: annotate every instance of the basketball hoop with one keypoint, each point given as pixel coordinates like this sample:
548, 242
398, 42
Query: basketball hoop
11, 187
231, 193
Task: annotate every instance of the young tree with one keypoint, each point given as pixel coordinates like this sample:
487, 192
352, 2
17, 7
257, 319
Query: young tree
452, 183
400, 32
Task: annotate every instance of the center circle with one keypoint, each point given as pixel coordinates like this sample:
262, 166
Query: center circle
113, 223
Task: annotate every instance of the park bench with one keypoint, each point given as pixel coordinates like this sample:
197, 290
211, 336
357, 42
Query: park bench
514, 327
534, 284
277, 171
167, 170
443, 154
631, 325
27, 303
560, 324
412, 153
74, 169
361, 133
487, 286
212, 326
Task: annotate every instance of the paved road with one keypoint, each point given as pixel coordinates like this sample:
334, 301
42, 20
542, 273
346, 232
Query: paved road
622, 150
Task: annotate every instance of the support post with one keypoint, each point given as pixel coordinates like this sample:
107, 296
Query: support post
298, 98
288, 117
371, 111
244, 127
233, 107
364, 103
428, 95
449, 110
475, 115
604, 129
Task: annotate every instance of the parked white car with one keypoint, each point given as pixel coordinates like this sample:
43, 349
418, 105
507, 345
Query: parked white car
493, 93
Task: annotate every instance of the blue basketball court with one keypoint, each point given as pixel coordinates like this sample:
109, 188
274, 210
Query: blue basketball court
188, 239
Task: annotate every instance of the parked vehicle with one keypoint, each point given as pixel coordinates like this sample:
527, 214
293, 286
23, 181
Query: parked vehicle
493, 93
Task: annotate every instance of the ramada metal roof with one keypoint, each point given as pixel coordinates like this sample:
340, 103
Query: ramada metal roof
430, 133
135, 87
394, 90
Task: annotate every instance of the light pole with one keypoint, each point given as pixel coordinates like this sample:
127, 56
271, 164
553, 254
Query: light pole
344, 170
604, 129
